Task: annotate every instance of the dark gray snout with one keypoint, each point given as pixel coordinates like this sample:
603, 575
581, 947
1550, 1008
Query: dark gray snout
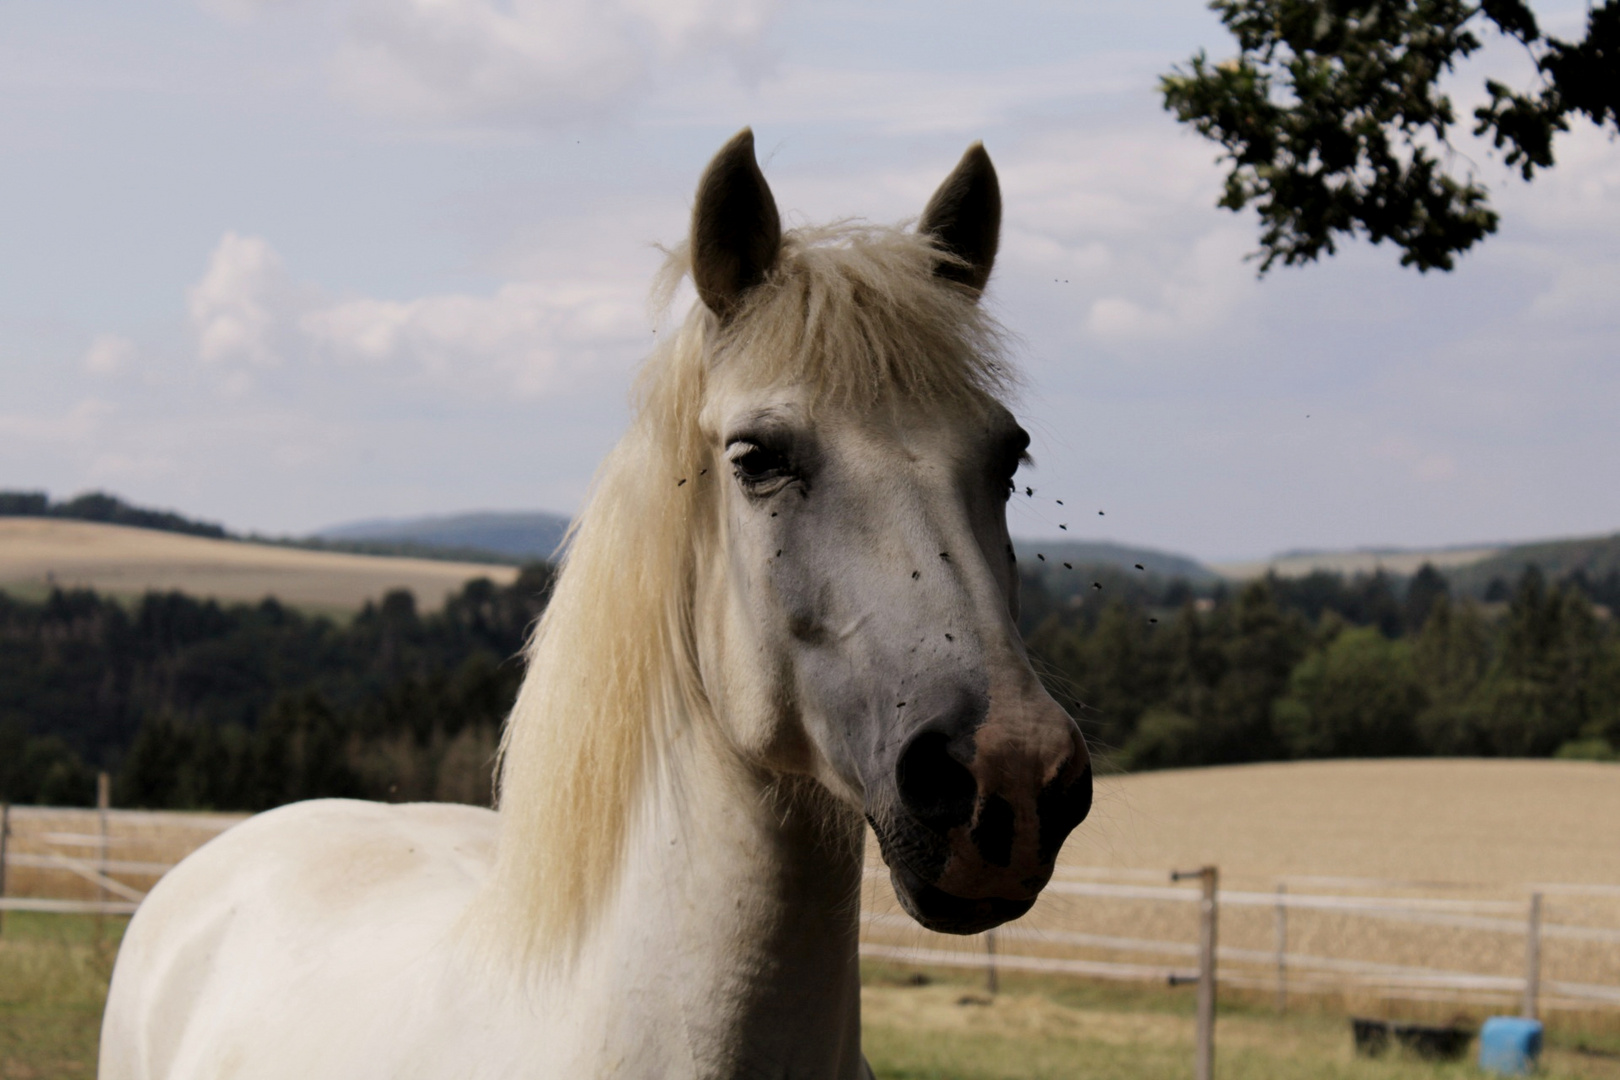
985, 798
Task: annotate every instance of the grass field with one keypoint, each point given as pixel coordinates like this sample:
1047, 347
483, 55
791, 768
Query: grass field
36, 553
1446, 829
53, 981
1045, 1030
54, 970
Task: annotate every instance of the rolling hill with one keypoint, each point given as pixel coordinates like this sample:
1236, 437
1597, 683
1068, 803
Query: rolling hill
1470, 568
1401, 562
1106, 554
38, 552
1595, 556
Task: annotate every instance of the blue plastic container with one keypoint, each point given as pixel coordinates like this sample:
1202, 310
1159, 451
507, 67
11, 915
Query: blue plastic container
1509, 1044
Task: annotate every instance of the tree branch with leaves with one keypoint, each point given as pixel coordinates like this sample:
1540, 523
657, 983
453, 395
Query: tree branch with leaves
1334, 125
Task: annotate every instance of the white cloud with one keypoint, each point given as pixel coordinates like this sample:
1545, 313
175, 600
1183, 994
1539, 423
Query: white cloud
911, 101
241, 10
241, 304
109, 354
1421, 462
76, 425
119, 466
518, 337
530, 60
1580, 294
1436, 467
249, 313
1197, 292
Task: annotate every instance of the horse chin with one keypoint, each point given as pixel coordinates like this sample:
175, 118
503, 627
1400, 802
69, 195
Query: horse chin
940, 911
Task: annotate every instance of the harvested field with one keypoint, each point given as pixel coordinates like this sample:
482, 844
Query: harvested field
36, 553
1456, 847
1470, 820
1350, 563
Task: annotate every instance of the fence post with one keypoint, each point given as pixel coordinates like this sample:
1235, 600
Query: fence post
1204, 1051
1282, 948
103, 801
1532, 959
5, 835
992, 983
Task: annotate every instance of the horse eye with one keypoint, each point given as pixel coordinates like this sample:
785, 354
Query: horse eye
757, 464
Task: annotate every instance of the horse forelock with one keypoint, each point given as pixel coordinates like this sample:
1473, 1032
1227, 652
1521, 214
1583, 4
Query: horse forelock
857, 313
853, 313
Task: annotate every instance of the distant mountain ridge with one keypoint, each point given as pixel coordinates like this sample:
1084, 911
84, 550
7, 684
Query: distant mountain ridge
538, 534
1095, 554
520, 535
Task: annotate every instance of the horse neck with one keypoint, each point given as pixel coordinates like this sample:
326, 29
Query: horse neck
731, 945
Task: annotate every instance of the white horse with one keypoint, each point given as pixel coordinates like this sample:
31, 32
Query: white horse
788, 611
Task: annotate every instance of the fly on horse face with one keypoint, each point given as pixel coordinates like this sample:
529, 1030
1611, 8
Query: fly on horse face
787, 613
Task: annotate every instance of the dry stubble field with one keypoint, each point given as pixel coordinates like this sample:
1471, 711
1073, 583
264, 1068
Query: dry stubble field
36, 553
1469, 838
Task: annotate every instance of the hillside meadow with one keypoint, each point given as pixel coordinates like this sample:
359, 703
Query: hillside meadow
38, 553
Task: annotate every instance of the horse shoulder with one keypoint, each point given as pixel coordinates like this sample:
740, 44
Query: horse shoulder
298, 928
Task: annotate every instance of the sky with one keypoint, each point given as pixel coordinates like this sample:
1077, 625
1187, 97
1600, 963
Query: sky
282, 264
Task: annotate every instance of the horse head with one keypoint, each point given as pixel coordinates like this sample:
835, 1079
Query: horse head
856, 620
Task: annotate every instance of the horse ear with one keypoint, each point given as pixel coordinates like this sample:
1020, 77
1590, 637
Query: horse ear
964, 217
736, 231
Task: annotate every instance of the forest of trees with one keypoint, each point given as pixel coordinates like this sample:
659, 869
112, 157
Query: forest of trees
1322, 666
109, 509
193, 704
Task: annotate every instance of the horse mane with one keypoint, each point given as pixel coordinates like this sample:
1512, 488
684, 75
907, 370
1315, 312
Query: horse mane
855, 312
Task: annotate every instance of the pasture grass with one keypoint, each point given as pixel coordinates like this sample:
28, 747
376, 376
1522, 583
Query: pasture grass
53, 982
1052, 1029
54, 971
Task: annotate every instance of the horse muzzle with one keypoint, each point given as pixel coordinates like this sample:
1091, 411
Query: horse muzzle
981, 813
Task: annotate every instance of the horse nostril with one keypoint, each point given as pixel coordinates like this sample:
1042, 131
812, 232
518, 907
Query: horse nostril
993, 835
937, 789
1061, 805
